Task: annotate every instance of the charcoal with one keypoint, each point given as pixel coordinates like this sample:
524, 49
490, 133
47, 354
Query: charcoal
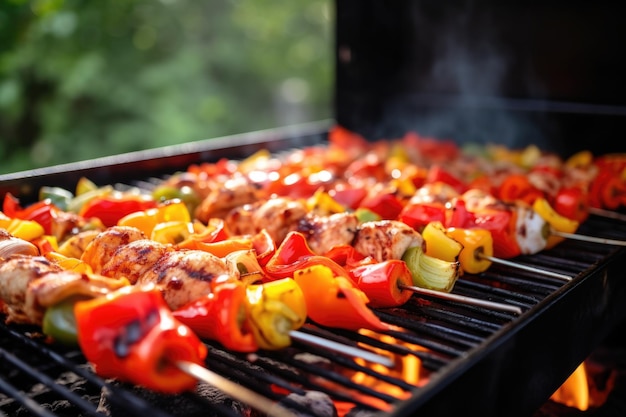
310, 404
206, 401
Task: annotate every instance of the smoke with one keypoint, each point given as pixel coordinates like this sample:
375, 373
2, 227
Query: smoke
464, 77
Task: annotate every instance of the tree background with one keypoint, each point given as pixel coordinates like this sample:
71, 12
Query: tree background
83, 79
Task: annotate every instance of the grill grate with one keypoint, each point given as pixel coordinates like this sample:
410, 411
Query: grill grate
473, 360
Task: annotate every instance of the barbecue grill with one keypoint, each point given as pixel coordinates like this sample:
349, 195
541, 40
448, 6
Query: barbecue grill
475, 360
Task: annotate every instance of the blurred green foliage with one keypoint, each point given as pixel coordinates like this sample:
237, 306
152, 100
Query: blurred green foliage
83, 79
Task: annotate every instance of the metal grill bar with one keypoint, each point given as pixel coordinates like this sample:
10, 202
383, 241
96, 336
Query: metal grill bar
41, 377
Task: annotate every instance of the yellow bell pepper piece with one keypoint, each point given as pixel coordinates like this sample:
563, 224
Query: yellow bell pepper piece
254, 161
557, 222
404, 186
147, 220
529, 156
24, 229
69, 263
171, 232
321, 202
439, 244
75, 245
580, 159
275, 309
475, 242
84, 185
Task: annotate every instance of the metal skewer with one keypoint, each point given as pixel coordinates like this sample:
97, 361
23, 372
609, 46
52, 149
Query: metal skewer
463, 299
607, 213
236, 391
525, 267
341, 348
592, 239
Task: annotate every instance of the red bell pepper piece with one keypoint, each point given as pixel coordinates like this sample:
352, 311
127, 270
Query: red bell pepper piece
293, 254
614, 162
334, 301
608, 190
484, 183
370, 166
386, 205
437, 173
131, 334
518, 187
215, 231
573, 203
349, 197
264, 246
221, 316
430, 148
501, 223
294, 185
111, 208
419, 215
382, 282
342, 138
43, 212
348, 257
458, 214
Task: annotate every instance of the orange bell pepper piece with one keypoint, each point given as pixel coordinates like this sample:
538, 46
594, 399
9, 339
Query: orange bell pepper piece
335, 301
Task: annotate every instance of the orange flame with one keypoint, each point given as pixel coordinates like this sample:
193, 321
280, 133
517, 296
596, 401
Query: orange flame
575, 390
407, 368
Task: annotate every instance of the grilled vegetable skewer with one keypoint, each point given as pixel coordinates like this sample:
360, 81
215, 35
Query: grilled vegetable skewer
142, 342
241, 317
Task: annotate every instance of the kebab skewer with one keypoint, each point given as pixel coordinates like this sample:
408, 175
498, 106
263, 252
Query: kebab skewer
129, 261
322, 232
198, 287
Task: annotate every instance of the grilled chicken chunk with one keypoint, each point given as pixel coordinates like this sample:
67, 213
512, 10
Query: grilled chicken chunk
102, 247
16, 273
386, 239
278, 216
30, 284
477, 199
233, 193
437, 192
185, 275
135, 259
325, 232
182, 275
